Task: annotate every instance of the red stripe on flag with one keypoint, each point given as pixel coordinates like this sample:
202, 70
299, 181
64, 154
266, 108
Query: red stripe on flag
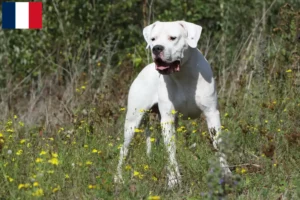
35, 15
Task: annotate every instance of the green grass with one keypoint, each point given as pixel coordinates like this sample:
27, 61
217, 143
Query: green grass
78, 161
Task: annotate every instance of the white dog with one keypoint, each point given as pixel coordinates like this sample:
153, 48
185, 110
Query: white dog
179, 81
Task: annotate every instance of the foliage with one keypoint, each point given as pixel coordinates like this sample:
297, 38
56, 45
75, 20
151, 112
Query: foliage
64, 88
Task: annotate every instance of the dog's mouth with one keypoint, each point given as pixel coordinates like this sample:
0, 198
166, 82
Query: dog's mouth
166, 68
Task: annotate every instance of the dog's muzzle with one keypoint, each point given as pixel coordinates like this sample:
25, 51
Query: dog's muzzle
166, 68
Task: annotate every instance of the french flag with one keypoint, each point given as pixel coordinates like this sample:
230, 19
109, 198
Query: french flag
21, 15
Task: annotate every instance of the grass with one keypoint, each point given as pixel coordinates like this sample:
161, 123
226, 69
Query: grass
78, 161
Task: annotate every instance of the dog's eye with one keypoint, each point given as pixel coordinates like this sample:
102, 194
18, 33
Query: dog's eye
152, 39
173, 38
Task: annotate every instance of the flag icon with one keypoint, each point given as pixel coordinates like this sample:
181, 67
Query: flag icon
21, 15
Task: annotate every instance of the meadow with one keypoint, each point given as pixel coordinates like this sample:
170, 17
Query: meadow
61, 127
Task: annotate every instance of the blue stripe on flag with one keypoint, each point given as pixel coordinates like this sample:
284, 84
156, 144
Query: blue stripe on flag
8, 15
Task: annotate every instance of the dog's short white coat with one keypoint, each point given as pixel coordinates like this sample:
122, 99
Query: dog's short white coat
189, 91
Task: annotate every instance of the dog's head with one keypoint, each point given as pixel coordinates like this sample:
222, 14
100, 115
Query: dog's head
169, 41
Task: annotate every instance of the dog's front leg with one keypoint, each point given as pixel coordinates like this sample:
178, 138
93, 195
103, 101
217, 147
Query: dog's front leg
168, 132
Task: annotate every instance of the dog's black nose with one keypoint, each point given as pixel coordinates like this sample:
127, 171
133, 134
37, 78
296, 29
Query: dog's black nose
157, 49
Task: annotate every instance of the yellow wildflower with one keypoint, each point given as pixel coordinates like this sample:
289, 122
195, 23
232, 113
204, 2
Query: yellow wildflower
94, 151
61, 129
39, 192
88, 162
136, 130
56, 189
9, 123
152, 139
53, 161
67, 176
20, 152
181, 129
20, 186
54, 155
15, 117
85, 146
38, 160
146, 167
288, 71
43, 153
154, 178
22, 141
26, 185
35, 184
136, 173
120, 146
122, 109
10, 130
92, 186
9, 178
128, 167
154, 198
243, 170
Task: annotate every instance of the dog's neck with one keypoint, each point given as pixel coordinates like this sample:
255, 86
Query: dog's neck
187, 68
187, 55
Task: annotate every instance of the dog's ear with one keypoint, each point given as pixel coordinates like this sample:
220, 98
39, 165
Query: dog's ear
193, 32
146, 32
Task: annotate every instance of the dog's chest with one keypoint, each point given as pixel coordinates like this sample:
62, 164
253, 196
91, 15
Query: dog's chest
184, 95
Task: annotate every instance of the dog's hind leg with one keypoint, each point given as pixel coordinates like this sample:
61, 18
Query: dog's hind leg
148, 141
214, 126
132, 122
147, 125
142, 96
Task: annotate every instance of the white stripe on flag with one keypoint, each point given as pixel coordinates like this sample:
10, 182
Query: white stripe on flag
22, 15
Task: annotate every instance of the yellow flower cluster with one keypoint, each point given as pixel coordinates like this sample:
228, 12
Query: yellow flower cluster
54, 160
136, 130
138, 174
241, 170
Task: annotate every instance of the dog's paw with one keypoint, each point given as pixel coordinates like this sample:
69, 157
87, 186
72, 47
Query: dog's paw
227, 177
118, 179
173, 181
